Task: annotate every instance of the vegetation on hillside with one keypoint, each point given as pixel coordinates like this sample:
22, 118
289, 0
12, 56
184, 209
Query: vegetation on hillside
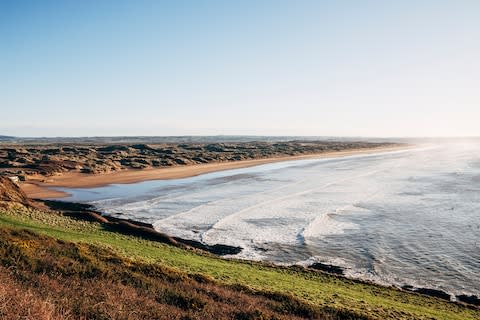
55, 267
42, 277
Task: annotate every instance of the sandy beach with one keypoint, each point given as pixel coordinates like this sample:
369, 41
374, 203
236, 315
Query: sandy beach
42, 187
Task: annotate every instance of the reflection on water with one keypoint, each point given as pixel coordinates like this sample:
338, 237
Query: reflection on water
405, 217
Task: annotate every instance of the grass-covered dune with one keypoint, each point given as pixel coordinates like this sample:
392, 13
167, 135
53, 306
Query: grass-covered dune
56, 267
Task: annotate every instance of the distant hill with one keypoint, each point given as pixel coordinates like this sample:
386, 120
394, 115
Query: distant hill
179, 139
6, 138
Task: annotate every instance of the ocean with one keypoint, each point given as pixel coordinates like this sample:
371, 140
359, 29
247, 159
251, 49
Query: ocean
406, 217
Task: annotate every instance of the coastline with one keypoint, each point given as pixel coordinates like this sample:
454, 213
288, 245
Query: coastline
39, 188
143, 230
28, 224
146, 231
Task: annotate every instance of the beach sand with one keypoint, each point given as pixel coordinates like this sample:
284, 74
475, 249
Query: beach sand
41, 187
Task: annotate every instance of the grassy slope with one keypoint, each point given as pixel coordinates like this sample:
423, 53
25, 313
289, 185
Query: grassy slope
316, 288
45, 278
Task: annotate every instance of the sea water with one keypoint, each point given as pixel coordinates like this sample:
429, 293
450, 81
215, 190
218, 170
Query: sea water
408, 217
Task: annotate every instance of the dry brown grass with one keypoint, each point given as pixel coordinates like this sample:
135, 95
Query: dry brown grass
18, 302
44, 278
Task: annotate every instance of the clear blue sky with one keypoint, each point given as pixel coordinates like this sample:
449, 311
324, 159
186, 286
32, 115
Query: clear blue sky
349, 68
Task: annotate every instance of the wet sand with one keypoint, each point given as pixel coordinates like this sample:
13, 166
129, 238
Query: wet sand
41, 187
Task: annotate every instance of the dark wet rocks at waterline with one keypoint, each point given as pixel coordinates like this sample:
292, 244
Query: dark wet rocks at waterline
136, 228
472, 299
429, 292
468, 299
327, 268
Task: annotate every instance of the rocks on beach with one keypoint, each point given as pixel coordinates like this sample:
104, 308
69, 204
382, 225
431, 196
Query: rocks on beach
131, 227
327, 268
429, 292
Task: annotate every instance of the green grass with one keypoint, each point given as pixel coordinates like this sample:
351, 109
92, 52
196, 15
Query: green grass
315, 287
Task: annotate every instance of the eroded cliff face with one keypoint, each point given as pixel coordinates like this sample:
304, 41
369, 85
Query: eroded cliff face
10, 193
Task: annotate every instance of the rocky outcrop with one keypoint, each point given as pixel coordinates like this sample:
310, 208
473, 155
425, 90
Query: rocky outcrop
474, 300
140, 229
327, 268
10, 192
429, 292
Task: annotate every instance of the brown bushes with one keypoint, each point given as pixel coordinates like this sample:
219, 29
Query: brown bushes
17, 302
43, 278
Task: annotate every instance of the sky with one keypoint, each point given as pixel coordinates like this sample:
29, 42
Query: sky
324, 68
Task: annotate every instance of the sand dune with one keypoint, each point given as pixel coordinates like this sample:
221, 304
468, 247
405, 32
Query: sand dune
41, 188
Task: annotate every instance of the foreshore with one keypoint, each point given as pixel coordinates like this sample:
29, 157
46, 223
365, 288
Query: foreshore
146, 231
75, 248
42, 187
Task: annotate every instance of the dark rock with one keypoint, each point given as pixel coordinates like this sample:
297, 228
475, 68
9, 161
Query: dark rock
222, 249
429, 292
327, 268
67, 206
137, 223
469, 299
434, 293
218, 249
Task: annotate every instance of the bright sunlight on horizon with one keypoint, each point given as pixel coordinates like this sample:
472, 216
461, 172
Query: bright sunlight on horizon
323, 68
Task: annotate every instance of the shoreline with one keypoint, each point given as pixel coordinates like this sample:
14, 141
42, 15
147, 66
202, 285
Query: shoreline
137, 228
41, 189
144, 230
